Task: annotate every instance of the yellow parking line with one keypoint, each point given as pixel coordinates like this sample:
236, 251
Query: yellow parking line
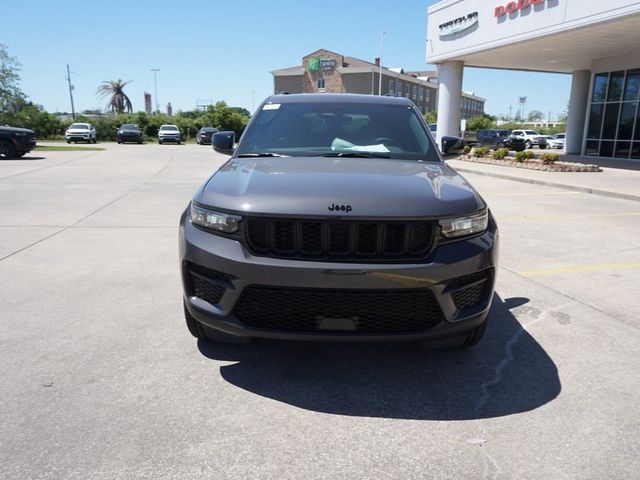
520, 218
597, 267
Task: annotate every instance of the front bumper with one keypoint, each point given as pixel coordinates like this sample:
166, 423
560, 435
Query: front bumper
233, 269
78, 136
169, 138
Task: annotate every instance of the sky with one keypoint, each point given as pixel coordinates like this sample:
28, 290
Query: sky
207, 51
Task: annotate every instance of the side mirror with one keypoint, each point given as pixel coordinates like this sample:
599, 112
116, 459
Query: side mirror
223, 142
452, 145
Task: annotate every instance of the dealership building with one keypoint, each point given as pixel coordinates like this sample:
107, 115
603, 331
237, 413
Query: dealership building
596, 42
326, 71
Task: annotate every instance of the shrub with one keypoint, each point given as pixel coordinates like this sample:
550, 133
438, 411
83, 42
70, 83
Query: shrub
549, 158
480, 152
524, 155
466, 149
500, 153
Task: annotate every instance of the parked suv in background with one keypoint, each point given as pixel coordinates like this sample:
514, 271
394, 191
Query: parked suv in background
496, 138
81, 131
169, 133
531, 138
16, 142
336, 218
129, 132
203, 137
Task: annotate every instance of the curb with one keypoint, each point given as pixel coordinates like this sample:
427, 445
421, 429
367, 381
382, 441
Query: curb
594, 191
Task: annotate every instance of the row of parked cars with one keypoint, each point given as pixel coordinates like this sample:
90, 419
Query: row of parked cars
131, 133
518, 140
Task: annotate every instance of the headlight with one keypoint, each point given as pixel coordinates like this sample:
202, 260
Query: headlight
222, 222
461, 226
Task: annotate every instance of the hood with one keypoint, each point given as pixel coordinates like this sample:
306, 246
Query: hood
17, 130
78, 129
314, 186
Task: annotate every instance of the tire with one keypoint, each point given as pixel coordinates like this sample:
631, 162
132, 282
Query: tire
94, 141
159, 142
500, 145
7, 151
21, 154
527, 144
119, 142
474, 337
460, 341
201, 332
543, 147
68, 141
178, 142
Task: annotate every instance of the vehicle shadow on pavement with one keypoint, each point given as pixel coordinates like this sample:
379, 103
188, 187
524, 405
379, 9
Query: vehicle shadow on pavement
507, 373
26, 157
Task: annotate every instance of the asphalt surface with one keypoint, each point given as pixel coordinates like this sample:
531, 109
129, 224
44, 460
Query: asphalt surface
100, 378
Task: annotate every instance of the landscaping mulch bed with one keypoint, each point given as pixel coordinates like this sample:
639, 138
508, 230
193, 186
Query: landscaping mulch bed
535, 164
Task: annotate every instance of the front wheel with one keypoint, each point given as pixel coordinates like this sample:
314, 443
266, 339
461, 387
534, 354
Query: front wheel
201, 332
68, 141
527, 144
7, 151
543, 147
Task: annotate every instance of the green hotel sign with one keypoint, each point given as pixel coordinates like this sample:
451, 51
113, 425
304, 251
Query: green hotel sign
316, 64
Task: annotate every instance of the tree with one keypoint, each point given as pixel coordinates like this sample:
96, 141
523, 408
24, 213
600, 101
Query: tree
10, 93
535, 116
118, 100
480, 122
430, 117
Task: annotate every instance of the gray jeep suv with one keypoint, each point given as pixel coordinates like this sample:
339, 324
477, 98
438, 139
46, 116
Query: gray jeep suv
336, 219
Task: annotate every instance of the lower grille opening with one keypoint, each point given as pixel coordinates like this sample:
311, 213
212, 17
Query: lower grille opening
475, 291
206, 284
365, 311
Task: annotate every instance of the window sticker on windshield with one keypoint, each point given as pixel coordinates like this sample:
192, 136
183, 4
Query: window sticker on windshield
271, 106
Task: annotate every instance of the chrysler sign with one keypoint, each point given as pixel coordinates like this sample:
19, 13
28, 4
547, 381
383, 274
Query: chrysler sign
459, 24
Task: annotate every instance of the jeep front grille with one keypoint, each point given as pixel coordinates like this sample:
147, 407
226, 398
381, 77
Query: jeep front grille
338, 240
369, 311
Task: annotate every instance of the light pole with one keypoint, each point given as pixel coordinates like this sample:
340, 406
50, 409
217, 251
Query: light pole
380, 69
155, 84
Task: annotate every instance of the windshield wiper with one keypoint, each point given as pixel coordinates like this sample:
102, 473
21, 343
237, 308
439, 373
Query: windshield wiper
355, 155
260, 154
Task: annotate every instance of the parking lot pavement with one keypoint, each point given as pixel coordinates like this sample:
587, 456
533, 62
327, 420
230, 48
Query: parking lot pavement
102, 380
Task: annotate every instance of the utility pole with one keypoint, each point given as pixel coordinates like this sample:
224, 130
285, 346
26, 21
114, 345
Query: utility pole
510, 112
380, 69
73, 111
155, 84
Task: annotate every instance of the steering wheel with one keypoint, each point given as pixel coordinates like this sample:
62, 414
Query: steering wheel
387, 141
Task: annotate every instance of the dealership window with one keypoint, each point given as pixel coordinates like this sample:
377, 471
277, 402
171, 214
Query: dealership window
406, 90
415, 92
392, 87
399, 89
421, 93
614, 115
321, 88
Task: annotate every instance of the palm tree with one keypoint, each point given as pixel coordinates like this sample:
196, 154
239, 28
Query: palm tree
118, 100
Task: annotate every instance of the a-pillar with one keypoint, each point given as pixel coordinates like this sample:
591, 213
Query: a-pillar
449, 94
577, 111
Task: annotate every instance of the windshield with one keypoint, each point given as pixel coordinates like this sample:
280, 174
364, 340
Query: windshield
84, 126
531, 132
338, 128
168, 127
129, 126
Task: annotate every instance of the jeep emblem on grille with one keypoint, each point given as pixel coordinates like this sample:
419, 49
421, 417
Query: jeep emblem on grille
340, 208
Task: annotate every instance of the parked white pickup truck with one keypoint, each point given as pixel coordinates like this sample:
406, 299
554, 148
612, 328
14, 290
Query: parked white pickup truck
531, 138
